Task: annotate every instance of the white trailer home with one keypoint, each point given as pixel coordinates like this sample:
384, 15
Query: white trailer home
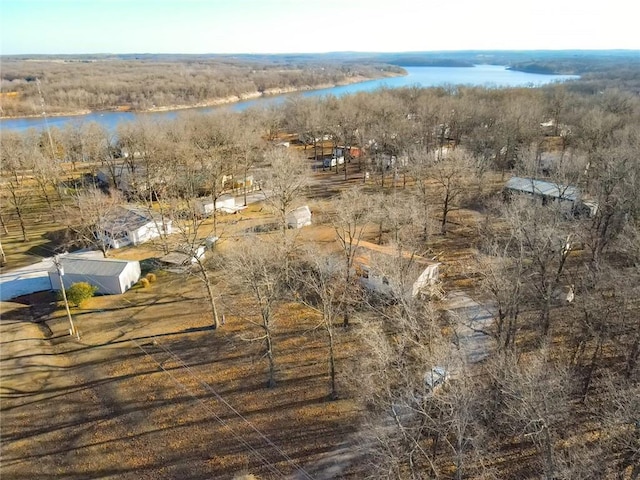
224, 203
375, 264
566, 196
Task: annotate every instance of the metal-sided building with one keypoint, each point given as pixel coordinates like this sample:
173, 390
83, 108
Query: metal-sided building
111, 276
567, 196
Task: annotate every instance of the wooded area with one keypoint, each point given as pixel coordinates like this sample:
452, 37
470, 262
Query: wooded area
77, 85
552, 389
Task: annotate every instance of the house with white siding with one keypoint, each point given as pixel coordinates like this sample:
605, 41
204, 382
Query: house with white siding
374, 262
128, 225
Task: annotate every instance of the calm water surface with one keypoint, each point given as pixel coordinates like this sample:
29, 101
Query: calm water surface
493, 76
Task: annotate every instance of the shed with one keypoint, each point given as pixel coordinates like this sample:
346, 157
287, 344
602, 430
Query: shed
435, 377
343, 151
224, 203
298, 218
184, 255
204, 206
333, 161
111, 276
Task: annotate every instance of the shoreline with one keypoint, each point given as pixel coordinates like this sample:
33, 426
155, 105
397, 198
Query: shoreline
212, 102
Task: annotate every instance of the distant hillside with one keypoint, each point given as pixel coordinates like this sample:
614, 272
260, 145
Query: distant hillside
533, 61
574, 62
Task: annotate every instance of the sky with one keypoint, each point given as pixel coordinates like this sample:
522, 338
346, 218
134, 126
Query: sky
312, 26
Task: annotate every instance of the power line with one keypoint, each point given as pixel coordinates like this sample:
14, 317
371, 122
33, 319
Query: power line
208, 387
266, 462
236, 412
191, 394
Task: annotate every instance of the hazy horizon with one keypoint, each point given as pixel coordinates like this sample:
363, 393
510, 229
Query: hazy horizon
77, 27
336, 52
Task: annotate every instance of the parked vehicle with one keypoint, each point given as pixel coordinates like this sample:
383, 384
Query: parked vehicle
333, 161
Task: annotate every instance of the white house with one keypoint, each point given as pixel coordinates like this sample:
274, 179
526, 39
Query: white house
224, 203
132, 226
111, 276
298, 218
373, 277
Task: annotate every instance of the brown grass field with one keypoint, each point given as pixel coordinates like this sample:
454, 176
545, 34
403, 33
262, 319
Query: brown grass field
150, 390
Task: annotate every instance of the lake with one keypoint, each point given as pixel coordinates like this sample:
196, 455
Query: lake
493, 76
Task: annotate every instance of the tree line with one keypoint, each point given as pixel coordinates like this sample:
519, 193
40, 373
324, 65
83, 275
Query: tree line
69, 86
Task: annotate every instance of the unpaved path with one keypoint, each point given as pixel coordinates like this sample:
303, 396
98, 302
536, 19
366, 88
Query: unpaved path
471, 321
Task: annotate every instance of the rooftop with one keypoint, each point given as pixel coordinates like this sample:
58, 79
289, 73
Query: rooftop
542, 188
300, 213
126, 219
392, 250
101, 267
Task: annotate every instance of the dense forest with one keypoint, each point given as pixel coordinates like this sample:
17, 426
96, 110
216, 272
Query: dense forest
80, 84
556, 391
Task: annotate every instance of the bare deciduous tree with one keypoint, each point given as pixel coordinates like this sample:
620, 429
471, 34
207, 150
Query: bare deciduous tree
257, 266
193, 242
89, 216
285, 181
321, 287
349, 223
533, 396
452, 176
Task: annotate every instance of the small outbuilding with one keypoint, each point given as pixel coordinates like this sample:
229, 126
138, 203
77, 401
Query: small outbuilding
111, 276
298, 218
224, 203
333, 161
184, 255
435, 377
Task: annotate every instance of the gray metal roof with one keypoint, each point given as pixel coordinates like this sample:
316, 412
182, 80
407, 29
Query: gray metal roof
177, 258
124, 219
542, 188
96, 267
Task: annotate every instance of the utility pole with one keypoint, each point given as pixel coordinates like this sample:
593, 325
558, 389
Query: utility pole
60, 268
3, 257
